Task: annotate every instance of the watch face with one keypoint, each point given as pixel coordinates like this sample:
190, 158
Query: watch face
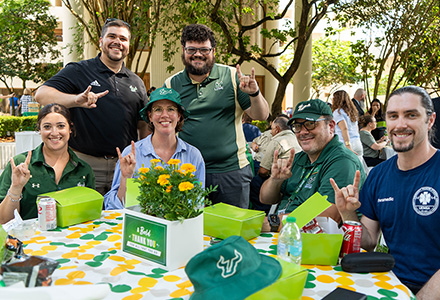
273, 219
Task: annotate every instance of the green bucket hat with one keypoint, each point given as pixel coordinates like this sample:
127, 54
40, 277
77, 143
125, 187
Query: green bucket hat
232, 269
311, 110
163, 94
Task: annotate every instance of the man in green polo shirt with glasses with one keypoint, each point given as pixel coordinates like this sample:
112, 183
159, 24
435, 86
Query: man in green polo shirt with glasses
323, 157
217, 95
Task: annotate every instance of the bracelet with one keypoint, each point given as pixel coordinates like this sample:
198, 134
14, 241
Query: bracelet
255, 94
15, 196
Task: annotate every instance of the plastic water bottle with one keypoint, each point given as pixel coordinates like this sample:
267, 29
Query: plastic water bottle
289, 247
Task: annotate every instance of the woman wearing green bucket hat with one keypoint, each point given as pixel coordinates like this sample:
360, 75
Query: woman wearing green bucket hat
164, 115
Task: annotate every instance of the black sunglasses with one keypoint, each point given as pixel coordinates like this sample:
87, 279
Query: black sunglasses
115, 19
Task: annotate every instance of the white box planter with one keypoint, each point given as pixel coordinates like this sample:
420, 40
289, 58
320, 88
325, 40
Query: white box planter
169, 244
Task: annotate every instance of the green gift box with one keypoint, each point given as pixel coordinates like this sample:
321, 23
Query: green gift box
289, 286
321, 248
76, 205
3, 236
223, 220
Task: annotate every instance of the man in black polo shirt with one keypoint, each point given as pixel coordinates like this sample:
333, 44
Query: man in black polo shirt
104, 98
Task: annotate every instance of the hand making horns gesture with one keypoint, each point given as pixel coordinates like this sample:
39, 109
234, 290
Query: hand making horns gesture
347, 198
248, 84
281, 168
20, 174
88, 99
128, 162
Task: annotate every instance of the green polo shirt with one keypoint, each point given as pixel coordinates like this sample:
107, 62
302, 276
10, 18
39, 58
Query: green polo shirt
76, 173
214, 125
335, 161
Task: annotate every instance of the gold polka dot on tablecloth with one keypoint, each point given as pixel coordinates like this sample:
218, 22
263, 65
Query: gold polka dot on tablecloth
113, 238
116, 258
180, 293
147, 282
133, 297
139, 290
171, 278
184, 284
384, 285
86, 256
325, 279
324, 268
344, 280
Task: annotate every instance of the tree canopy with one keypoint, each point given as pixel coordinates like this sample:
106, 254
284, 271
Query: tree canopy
27, 41
400, 43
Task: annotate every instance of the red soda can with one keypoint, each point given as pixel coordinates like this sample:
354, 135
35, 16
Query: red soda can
47, 213
352, 237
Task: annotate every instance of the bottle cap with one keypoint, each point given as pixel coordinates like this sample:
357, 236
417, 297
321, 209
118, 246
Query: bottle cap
291, 219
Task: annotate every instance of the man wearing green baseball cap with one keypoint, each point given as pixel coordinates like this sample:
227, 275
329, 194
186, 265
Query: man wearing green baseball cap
323, 157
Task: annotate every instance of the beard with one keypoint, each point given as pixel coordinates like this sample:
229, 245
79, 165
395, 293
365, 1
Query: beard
400, 147
209, 63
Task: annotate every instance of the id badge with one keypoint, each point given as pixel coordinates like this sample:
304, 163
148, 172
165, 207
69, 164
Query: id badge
281, 211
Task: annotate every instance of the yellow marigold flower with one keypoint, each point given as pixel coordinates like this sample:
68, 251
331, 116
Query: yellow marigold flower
173, 161
169, 189
155, 161
185, 186
144, 170
158, 168
188, 168
163, 179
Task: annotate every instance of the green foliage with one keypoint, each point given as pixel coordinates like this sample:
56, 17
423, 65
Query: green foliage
262, 125
11, 124
27, 37
402, 41
171, 193
333, 65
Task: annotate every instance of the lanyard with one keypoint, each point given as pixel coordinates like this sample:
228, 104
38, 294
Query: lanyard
300, 185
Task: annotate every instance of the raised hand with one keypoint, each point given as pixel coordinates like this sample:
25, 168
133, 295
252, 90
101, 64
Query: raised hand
87, 99
20, 174
248, 84
347, 198
281, 168
128, 162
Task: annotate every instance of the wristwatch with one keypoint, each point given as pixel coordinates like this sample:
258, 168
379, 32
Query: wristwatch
274, 222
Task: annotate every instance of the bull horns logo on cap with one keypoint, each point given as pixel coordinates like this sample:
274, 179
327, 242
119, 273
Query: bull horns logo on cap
302, 106
229, 266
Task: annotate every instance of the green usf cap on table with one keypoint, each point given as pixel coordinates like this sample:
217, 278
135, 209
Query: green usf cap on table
232, 269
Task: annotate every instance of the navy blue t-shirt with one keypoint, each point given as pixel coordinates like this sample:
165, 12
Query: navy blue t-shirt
406, 204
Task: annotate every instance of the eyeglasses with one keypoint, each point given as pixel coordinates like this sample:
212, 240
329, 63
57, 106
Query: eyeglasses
193, 50
309, 125
115, 19
158, 110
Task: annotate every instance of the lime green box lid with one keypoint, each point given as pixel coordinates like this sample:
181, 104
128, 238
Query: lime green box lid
223, 220
76, 205
3, 236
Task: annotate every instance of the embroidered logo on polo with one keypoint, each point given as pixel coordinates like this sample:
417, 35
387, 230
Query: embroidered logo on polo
133, 88
35, 185
302, 107
310, 182
218, 86
229, 267
164, 92
95, 83
425, 201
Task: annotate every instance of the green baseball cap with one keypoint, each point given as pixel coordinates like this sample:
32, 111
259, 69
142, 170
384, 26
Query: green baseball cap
311, 110
163, 94
232, 269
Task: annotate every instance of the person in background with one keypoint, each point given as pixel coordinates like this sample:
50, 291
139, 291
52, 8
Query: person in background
400, 197
371, 147
250, 131
164, 115
345, 116
359, 101
322, 158
377, 112
104, 98
14, 106
25, 100
50, 167
283, 140
217, 95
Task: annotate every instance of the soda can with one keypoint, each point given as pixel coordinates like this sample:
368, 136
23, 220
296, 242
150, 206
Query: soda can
47, 213
352, 237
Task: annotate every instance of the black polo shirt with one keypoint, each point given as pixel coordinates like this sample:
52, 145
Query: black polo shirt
113, 123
